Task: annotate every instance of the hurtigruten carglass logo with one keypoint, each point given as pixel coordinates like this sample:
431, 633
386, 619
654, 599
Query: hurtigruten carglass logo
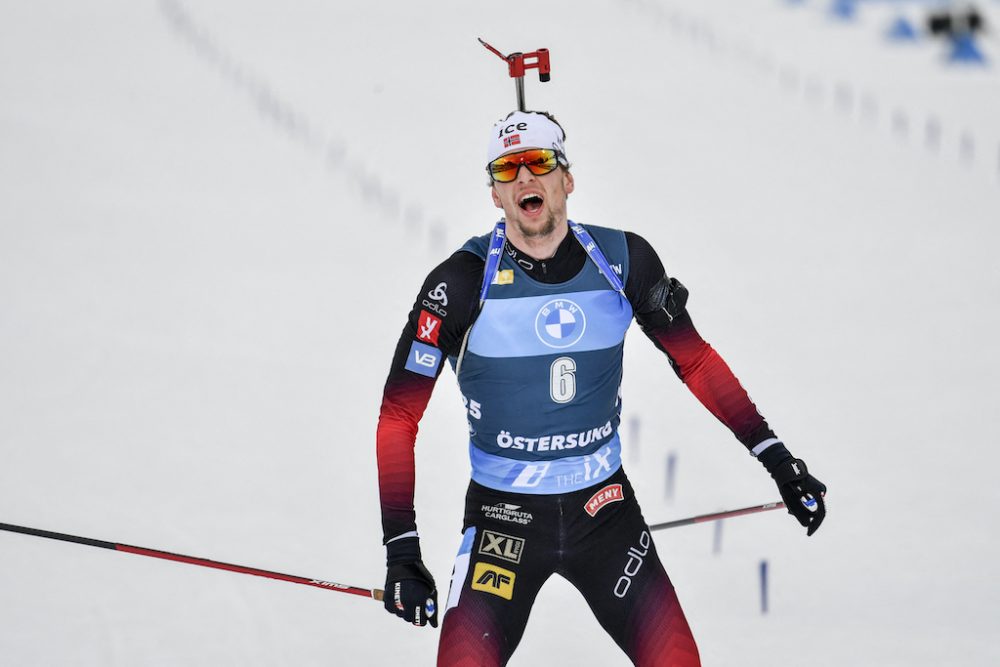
560, 323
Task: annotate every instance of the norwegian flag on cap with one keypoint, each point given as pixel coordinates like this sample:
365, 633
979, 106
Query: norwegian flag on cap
525, 129
512, 140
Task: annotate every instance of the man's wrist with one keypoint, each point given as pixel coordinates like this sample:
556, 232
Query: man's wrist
773, 456
402, 550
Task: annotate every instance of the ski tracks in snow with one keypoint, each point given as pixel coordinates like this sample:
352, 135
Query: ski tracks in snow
296, 127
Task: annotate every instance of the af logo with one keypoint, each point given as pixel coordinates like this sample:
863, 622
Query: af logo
498, 545
560, 323
494, 580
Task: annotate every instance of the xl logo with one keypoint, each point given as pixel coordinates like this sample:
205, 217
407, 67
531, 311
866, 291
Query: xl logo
520, 127
498, 545
494, 580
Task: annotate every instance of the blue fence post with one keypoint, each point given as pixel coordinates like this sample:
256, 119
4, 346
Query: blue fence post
633, 436
933, 133
763, 586
900, 122
967, 147
671, 469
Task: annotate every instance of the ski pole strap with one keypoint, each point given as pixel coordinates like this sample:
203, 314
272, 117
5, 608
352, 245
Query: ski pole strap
497, 240
595, 254
499, 237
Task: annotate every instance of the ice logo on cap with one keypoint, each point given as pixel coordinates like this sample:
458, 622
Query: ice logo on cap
560, 323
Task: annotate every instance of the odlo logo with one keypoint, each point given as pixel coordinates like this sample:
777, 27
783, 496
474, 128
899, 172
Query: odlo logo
494, 580
636, 557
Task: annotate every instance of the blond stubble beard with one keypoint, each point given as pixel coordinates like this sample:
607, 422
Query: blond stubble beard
546, 229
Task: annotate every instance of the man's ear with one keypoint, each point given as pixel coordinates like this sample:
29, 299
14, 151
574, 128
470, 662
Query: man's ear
568, 182
496, 197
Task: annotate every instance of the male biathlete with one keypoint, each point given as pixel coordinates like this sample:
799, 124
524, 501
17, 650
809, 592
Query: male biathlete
532, 318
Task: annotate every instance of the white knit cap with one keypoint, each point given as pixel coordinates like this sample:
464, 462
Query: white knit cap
524, 129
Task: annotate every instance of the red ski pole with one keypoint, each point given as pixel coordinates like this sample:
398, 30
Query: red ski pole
702, 518
373, 593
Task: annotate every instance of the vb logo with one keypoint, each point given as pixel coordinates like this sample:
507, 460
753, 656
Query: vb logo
494, 580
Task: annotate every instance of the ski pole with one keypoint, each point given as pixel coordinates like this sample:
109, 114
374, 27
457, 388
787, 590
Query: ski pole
373, 593
766, 507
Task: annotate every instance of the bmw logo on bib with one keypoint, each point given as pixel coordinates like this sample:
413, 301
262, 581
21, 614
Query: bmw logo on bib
560, 323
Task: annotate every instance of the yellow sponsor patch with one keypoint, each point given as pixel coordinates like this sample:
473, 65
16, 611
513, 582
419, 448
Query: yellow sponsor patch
493, 579
504, 277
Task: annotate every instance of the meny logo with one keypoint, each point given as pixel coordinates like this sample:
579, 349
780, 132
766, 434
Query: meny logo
612, 493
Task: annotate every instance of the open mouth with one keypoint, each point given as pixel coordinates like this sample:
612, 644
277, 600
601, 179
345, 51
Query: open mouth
531, 202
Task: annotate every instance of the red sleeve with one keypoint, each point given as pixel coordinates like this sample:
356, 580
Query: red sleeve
444, 309
403, 404
659, 305
709, 378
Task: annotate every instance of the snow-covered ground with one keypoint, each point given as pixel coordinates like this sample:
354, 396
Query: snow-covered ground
192, 345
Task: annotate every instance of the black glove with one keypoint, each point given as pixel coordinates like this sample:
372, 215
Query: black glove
410, 592
802, 493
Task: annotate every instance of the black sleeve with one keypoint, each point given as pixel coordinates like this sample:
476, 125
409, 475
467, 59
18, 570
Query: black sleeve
444, 309
656, 298
659, 303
